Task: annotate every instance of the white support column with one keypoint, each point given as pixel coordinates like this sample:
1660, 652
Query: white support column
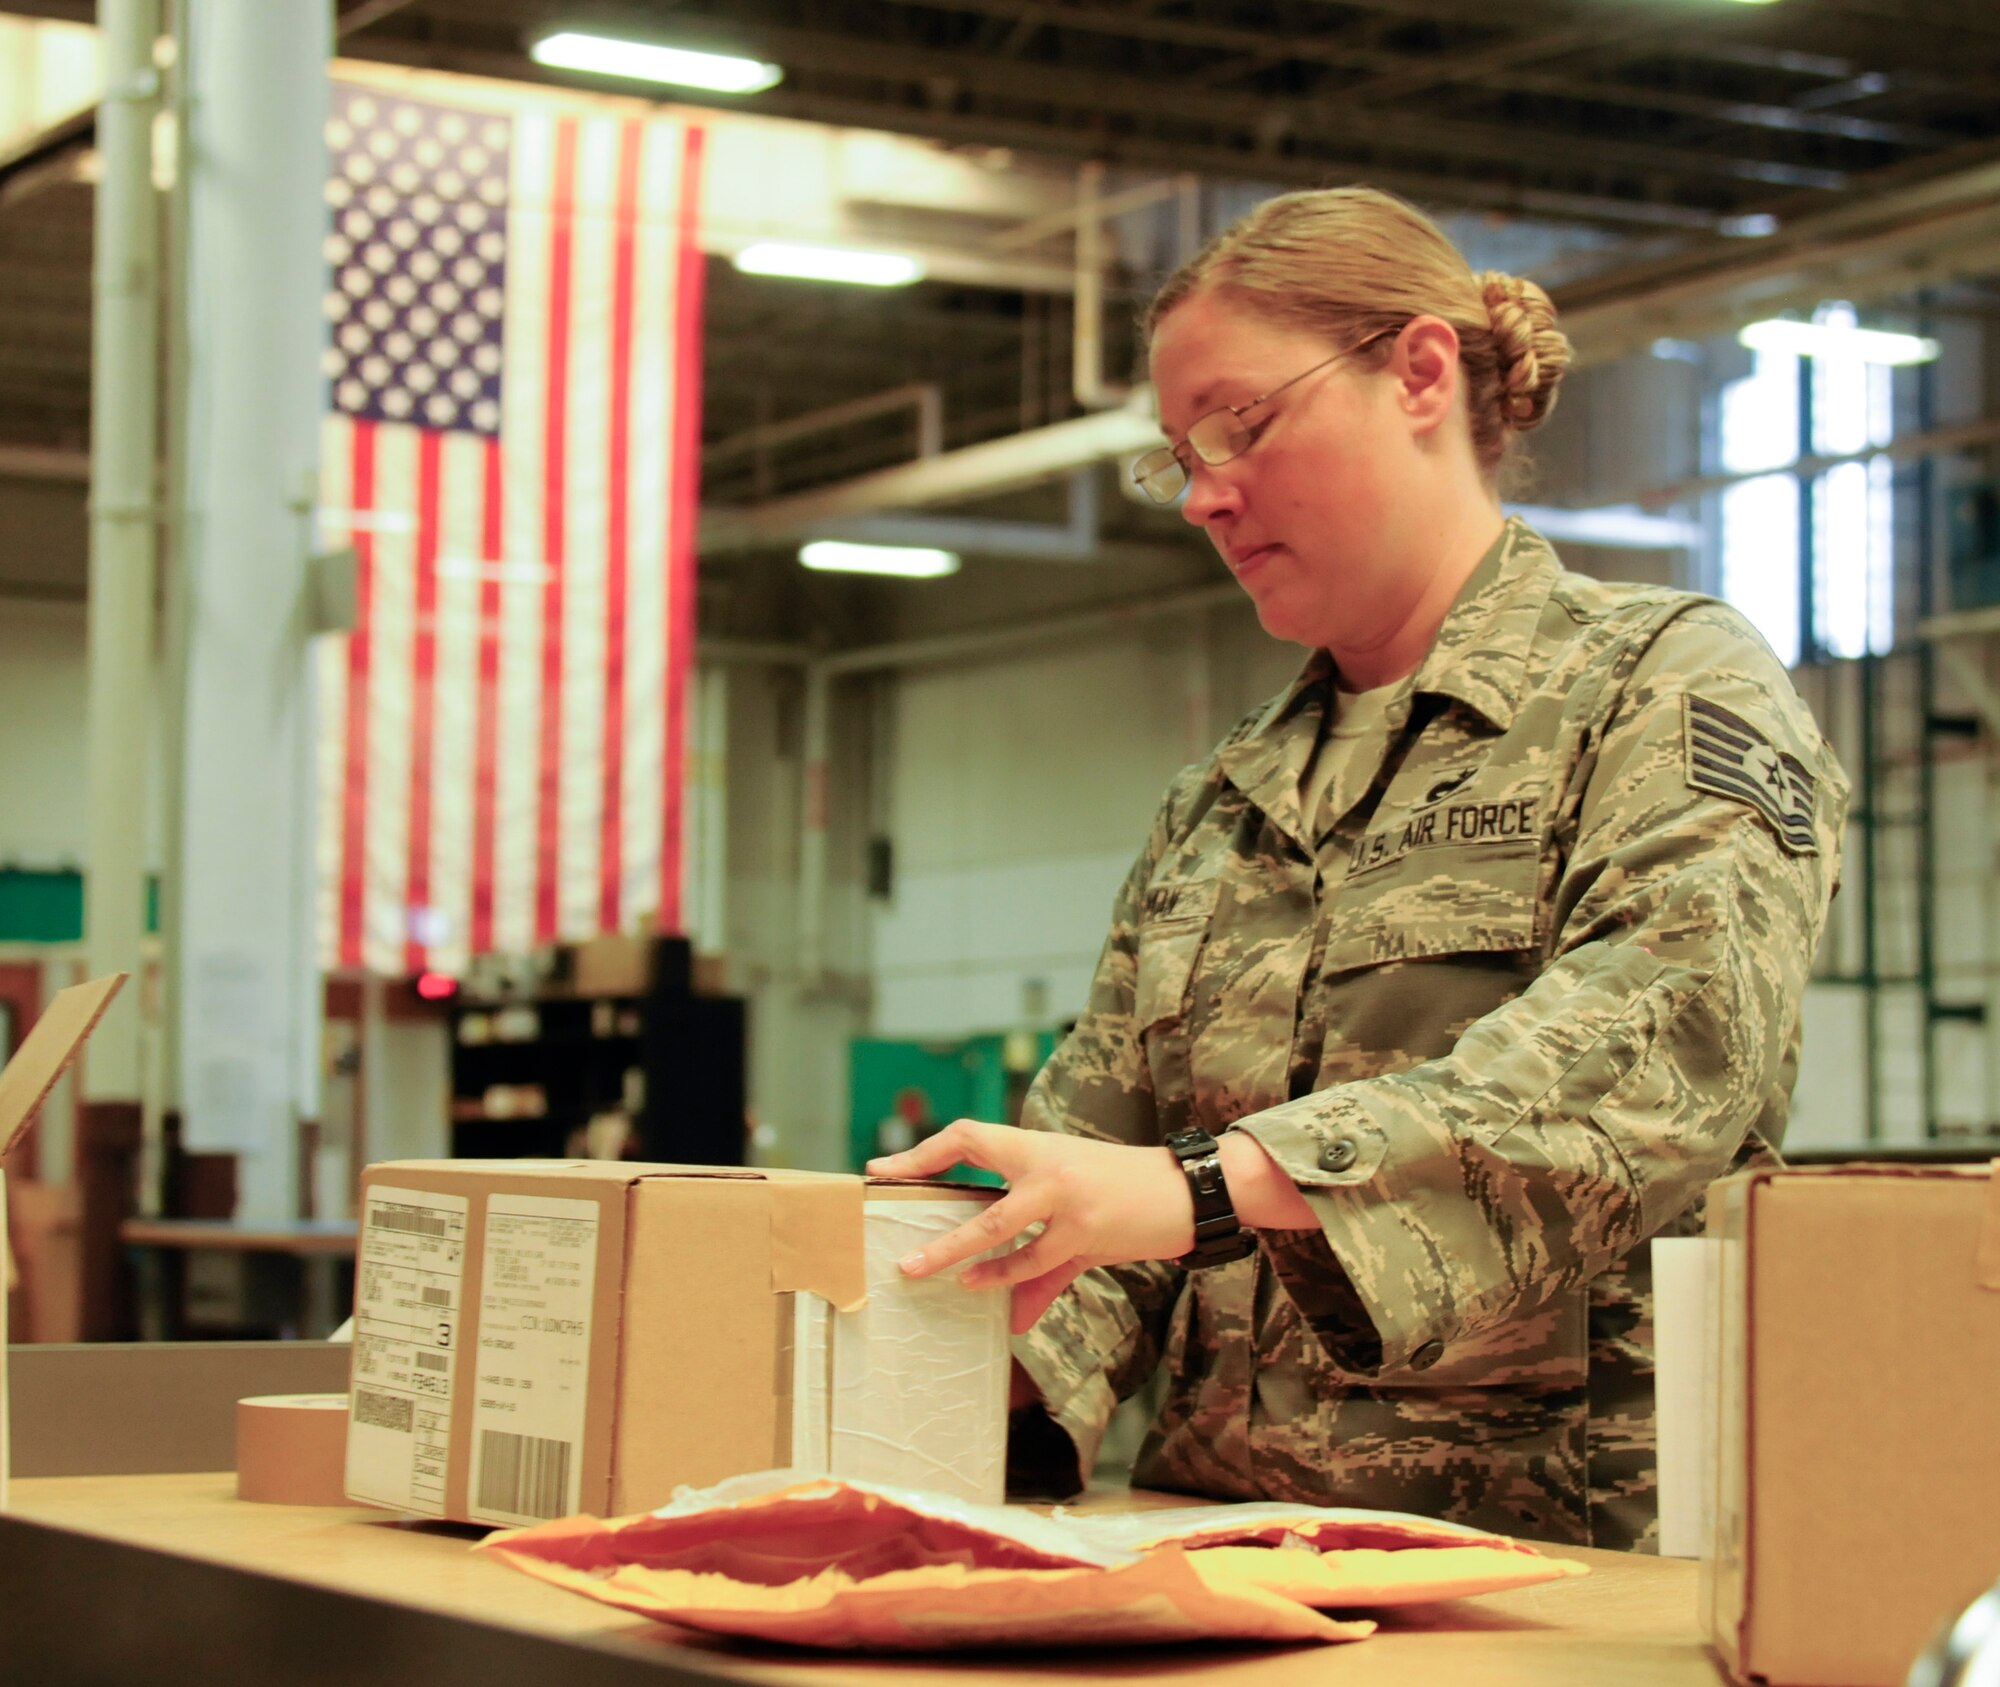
708, 915
124, 449
817, 734
1991, 888
246, 988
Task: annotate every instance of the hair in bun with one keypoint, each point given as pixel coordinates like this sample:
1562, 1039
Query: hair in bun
1346, 263
1532, 353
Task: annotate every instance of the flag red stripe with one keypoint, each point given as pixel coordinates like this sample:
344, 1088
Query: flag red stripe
611, 817
423, 699
354, 775
486, 728
548, 823
684, 501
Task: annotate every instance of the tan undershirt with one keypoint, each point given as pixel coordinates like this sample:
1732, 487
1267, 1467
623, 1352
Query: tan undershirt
1323, 794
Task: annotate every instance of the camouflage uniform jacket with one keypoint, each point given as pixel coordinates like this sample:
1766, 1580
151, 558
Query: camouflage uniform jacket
1538, 984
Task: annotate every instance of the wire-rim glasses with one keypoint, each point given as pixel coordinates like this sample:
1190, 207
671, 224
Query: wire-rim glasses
1222, 434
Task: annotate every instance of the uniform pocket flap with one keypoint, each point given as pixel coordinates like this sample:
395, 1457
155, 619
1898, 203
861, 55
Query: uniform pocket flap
1440, 900
1171, 933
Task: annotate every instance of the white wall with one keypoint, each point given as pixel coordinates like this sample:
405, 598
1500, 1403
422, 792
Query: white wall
42, 797
799, 1027
1022, 789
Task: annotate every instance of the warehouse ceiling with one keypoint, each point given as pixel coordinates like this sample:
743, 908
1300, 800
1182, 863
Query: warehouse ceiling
1660, 138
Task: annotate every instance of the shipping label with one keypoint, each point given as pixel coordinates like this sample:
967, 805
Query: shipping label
532, 1365
408, 1298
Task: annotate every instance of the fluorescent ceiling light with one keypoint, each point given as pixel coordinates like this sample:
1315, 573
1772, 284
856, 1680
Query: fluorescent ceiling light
641, 61
829, 263
909, 562
1826, 339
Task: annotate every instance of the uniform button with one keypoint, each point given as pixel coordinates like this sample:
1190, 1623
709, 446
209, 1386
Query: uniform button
1338, 1154
1427, 1356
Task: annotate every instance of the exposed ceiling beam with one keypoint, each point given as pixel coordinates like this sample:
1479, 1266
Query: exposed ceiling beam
361, 13
57, 11
1710, 45
1330, 119
1785, 119
1902, 235
1929, 231
1504, 54
46, 157
1214, 160
35, 462
990, 468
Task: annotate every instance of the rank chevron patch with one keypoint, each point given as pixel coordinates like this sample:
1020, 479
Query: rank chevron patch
1729, 757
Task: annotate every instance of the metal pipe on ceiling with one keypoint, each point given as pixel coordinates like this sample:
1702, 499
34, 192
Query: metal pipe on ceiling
1047, 629
1087, 380
1945, 224
1077, 539
923, 395
987, 469
985, 641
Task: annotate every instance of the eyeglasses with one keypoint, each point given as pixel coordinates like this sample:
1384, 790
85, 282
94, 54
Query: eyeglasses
1220, 435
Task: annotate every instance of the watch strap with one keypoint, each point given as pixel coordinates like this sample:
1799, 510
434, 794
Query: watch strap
1219, 1236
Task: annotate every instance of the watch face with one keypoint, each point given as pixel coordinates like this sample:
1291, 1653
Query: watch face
1192, 1143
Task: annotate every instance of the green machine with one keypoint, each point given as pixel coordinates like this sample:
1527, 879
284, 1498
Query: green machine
900, 1090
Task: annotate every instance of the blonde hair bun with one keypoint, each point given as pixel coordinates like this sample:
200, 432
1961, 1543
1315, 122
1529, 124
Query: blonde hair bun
1533, 352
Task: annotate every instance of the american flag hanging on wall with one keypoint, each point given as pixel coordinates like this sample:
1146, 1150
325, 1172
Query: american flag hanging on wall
512, 441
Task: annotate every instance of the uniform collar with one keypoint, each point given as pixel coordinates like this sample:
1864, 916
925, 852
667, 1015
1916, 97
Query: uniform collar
1481, 651
1477, 659
1267, 759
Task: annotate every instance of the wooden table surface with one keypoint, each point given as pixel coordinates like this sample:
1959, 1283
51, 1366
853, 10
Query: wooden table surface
335, 1236
1631, 1621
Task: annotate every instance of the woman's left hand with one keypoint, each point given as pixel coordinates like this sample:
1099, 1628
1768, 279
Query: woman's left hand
1099, 1203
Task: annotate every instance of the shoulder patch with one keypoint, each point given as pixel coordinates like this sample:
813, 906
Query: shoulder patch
1728, 757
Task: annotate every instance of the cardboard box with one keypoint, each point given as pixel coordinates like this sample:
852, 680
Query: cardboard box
25, 1083
535, 1339
47, 1230
709, 975
613, 964
1858, 1485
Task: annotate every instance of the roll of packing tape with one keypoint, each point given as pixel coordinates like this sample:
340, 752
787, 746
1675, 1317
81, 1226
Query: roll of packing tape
291, 1449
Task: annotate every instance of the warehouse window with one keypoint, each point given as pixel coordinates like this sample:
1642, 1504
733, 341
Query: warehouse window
1770, 418
1760, 517
1853, 537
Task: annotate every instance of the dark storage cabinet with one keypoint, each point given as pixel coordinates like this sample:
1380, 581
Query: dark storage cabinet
534, 1064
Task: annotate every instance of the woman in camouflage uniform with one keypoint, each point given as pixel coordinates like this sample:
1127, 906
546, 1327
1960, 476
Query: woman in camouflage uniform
1455, 973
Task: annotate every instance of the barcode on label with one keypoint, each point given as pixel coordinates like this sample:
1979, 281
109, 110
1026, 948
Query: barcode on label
436, 1297
402, 1218
431, 1361
383, 1411
523, 1475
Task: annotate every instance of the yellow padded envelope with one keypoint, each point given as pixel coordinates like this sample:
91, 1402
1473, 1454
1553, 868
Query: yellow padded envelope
822, 1562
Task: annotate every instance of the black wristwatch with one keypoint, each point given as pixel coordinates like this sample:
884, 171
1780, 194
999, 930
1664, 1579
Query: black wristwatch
1218, 1237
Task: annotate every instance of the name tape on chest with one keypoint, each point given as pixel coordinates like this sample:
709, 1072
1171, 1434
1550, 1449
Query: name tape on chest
1186, 899
1728, 757
1460, 823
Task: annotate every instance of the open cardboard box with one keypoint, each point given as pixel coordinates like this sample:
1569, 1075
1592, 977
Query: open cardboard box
534, 1339
1858, 1480
25, 1083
